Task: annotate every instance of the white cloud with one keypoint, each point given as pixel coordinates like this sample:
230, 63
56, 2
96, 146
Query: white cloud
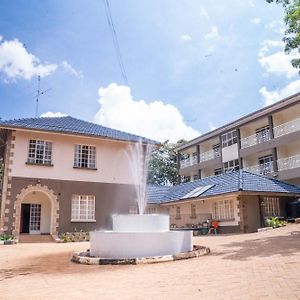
204, 13
17, 62
255, 20
71, 70
214, 33
278, 62
211, 126
186, 37
154, 120
51, 114
277, 26
271, 97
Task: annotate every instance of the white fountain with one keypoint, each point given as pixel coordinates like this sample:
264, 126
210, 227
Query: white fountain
139, 235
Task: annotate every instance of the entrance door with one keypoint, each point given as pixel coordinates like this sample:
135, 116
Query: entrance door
25, 218
35, 219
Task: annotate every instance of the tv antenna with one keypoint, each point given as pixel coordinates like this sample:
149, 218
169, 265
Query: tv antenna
39, 93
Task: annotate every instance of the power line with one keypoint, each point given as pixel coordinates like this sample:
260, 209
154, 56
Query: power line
115, 40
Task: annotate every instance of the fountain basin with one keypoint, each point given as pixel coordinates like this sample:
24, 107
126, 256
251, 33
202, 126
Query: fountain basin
137, 236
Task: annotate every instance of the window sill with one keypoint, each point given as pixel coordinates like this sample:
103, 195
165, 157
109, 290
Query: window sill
82, 168
83, 221
38, 164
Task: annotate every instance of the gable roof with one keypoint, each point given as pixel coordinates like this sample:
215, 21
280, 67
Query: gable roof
221, 184
72, 125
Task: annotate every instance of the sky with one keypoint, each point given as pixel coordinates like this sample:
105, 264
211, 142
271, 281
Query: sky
192, 66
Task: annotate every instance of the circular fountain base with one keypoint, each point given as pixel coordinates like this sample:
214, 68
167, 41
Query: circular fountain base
85, 258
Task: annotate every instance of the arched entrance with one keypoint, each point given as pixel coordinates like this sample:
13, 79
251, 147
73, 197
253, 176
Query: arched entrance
36, 210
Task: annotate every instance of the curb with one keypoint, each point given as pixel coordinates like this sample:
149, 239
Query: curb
85, 258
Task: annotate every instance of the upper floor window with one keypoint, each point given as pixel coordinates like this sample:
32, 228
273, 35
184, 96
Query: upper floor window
185, 179
83, 208
266, 164
40, 152
229, 138
216, 149
85, 157
232, 165
262, 134
218, 171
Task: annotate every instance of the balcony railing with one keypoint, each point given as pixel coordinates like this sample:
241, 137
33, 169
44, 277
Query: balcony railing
289, 162
286, 128
187, 220
208, 155
261, 169
188, 162
255, 139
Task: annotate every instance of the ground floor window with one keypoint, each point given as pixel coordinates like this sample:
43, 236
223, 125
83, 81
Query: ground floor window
271, 207
133, 210
151, 210
223, 209
83, 208
193, 211
178, 214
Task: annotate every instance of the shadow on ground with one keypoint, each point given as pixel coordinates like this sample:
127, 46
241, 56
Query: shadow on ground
51, 264
285, 245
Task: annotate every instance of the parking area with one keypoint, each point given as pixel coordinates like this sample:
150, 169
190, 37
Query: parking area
261, 265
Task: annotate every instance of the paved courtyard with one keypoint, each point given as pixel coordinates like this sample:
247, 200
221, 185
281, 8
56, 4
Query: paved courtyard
262, 265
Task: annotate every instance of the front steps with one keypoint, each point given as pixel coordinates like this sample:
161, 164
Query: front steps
36, 238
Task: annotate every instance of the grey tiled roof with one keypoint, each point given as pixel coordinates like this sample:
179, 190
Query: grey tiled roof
73, 126
222, 184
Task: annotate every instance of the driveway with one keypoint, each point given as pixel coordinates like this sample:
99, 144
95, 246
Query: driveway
261, 265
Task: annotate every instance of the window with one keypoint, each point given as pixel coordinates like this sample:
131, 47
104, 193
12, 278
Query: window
151, 210
216, 149
133, 210
193, 211
40, 152
83, 208
223, 209
271, 207
185, 179
195, 177
218, 171
85, 157
232, 165
178, 215
265, 164
229, 138
262, 134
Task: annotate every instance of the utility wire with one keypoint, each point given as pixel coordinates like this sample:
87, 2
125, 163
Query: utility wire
115, 40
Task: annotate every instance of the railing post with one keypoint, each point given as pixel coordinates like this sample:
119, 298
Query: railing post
239, 148
198, 154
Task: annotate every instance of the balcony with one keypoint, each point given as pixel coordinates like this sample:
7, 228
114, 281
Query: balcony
255, 139
286, 128
184, 163
262, 169
289, 162
208, 155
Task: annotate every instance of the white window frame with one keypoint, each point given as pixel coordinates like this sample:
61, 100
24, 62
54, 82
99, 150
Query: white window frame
83, 208
151, 210
271, 207
85, 156
231, 165
178, 213
193, 211
223, 210
39, 152
229, 138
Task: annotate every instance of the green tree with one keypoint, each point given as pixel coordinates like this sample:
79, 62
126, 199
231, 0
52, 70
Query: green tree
292, 33
163, 164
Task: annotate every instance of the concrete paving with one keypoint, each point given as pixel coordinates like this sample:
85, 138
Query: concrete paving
263, 265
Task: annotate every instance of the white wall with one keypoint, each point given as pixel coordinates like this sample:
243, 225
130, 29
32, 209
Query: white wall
112, 164
230, 153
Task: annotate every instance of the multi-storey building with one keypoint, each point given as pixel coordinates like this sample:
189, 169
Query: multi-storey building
63, 174
266, 142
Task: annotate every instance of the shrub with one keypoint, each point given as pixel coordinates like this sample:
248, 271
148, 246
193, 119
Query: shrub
275, 222
6, 237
